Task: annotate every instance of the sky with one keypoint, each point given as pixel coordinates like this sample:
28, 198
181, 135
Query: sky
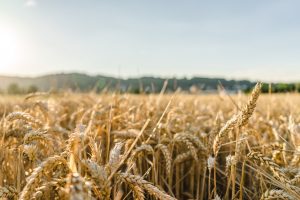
250, 39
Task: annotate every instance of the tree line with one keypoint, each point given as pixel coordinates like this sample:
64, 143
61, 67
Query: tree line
150, 86
14, 88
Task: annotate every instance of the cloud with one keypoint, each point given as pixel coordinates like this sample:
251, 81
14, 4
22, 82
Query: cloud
30, 3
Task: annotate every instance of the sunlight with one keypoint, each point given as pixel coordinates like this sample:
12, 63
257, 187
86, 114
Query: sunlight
30, 3
8, 47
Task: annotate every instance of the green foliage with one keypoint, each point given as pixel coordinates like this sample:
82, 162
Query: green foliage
14, 89
284, 87
297, 87
32, 89
135, 91
280, 87
85, 83
100, 85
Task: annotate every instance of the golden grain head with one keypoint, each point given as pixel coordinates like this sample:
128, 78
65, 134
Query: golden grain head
120, 146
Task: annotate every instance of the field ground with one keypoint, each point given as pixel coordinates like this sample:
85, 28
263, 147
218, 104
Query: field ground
111, 146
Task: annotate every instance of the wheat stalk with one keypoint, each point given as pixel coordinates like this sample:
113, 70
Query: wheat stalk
276, 194
239, 120
26, 117
151, 189
36, 176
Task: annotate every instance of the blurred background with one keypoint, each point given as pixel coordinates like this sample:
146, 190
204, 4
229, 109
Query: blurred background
141, 46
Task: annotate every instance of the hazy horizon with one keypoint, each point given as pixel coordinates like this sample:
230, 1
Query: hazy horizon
147, 75
255, 40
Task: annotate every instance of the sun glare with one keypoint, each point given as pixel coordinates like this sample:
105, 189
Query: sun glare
8, 47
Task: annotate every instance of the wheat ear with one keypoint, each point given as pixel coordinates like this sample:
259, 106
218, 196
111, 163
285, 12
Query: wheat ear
151, 189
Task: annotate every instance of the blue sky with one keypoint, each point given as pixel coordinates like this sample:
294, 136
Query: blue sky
251, 39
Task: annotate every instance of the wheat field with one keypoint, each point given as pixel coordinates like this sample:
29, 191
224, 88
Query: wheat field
167, 146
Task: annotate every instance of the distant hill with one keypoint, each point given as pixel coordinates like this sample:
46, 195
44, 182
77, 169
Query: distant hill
84, 83
54, 81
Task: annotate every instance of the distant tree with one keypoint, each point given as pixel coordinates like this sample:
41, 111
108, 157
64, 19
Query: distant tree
265, 88
282, 87
14, 88
32, 89
297, 87
135, 90
100, 85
